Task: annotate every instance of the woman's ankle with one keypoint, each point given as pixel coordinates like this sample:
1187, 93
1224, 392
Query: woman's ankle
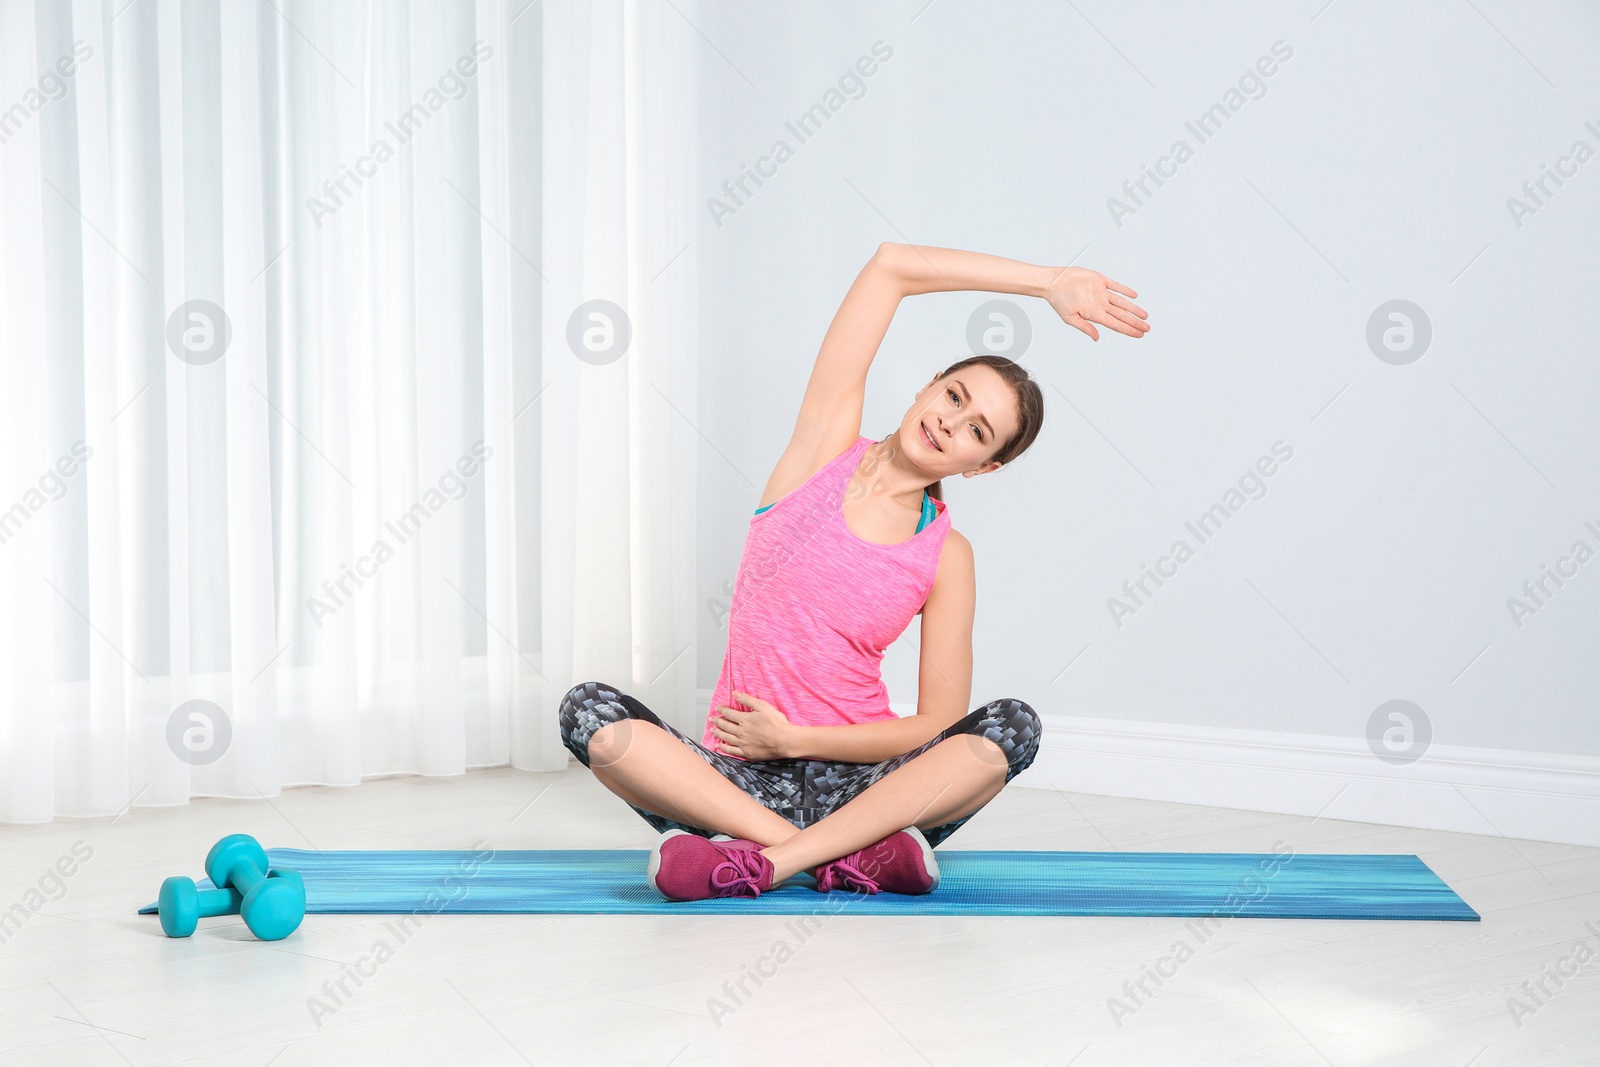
774, 854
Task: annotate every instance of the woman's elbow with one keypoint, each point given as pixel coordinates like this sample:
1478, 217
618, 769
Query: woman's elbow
888, 252
889, 259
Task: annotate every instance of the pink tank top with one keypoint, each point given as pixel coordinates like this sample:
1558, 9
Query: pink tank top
814, 606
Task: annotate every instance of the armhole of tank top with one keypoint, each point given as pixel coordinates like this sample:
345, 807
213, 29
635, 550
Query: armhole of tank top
819, 472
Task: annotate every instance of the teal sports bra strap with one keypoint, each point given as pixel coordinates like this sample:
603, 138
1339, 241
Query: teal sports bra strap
929, 511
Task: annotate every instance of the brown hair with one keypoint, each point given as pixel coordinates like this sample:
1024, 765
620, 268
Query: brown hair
1030, 408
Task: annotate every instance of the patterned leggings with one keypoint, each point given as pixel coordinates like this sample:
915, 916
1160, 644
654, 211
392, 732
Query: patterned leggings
801, 790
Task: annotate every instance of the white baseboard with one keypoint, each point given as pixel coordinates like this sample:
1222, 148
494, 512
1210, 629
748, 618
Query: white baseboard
1532, 796
1536, 796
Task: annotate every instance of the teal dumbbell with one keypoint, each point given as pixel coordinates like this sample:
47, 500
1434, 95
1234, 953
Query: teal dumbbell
181, 906
272, 902
288, 875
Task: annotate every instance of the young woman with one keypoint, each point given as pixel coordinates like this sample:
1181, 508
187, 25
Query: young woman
802, 765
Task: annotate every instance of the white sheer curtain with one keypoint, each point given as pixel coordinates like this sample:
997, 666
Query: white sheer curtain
395, 517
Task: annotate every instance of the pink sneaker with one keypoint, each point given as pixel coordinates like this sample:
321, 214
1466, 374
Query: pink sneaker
685, 866
903, 862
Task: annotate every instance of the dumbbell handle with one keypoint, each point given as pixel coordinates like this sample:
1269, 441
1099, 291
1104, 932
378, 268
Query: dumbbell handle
245, 877
214, 902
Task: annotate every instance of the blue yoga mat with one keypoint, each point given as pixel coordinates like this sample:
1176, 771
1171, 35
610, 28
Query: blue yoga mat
972, 882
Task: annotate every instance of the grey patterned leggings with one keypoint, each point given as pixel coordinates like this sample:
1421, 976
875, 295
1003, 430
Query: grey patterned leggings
801, 790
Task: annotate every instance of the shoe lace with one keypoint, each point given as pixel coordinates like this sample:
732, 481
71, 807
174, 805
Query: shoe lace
739, 874
842, 872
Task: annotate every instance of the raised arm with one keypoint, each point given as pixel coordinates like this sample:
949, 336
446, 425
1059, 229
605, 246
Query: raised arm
1079, 295
830, 412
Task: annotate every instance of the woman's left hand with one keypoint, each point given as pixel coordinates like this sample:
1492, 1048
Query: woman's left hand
1083, 297
756, 731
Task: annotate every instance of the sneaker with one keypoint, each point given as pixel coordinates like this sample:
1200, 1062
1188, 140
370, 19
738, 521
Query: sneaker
903, 862
685, 866
746, 843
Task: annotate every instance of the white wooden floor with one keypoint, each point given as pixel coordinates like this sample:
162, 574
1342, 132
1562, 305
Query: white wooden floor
86, 981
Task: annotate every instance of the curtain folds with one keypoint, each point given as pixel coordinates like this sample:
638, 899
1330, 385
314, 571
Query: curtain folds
321, 452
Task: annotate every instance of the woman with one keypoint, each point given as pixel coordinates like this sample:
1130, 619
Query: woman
803, 766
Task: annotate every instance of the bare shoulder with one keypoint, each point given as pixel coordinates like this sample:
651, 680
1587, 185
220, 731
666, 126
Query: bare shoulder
955, 580
956, 549
955, 559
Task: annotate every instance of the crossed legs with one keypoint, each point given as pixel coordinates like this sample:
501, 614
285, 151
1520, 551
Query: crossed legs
650, 769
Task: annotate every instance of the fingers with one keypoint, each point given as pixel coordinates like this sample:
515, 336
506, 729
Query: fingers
726, 740
1126, 305
1124, 322
1083, 324
1119, 287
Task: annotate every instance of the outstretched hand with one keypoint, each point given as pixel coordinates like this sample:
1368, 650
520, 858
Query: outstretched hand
1083, 297
756, 731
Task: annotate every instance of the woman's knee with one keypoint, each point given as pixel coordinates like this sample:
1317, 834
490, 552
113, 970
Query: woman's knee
615, 739
981, 748
587, 709
1013, 727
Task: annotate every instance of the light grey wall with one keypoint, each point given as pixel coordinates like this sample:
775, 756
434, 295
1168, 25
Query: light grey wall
1374, 164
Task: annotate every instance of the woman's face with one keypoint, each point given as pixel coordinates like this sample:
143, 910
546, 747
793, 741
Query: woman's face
969, 413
